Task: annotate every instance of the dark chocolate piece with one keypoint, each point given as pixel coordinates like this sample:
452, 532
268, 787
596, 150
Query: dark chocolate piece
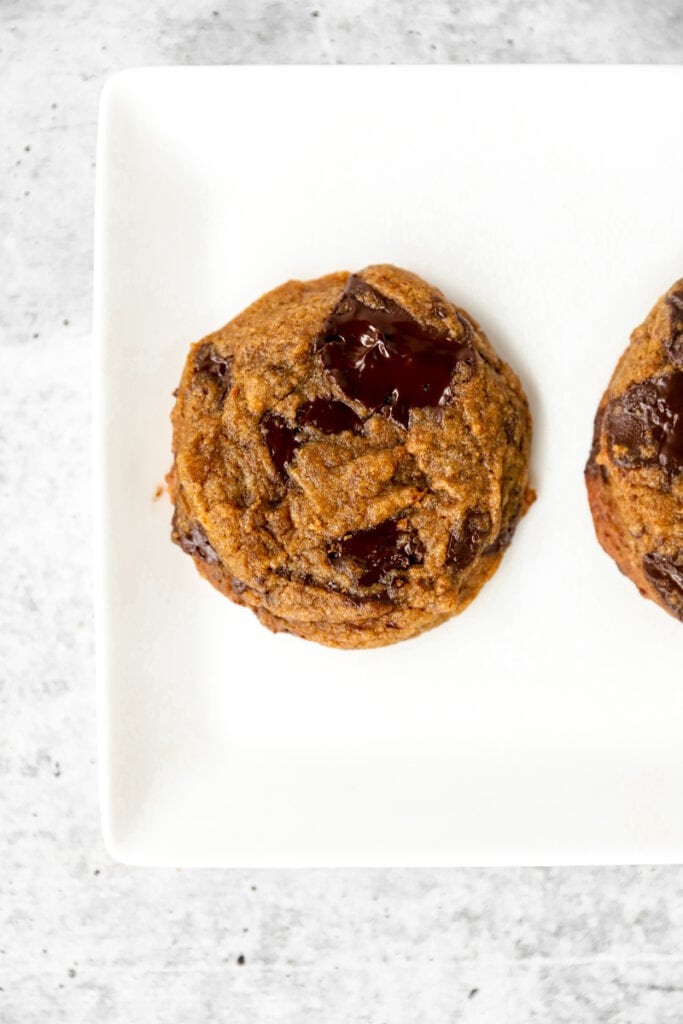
666, 576
465, 543
645, 425
593, 467
674, 343
385, 359
210, 363
195, 543
329, 416
281, 439
379, 552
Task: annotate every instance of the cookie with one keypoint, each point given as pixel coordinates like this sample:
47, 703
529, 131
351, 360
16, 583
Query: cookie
634, 473
350, 458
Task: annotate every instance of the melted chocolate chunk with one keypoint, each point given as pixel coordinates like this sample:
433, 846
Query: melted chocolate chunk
465, 543
593, 468
666, 576
645, 425
674, 343
380, 552
195, 543
210, 363
385, 359
329, 416
281, 439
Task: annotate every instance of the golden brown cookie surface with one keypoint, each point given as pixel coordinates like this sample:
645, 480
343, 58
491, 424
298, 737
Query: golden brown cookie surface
351, 458
634, 473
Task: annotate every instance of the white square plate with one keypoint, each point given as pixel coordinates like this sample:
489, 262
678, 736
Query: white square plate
544, 725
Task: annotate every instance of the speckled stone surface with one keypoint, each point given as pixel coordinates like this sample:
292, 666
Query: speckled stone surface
82, 939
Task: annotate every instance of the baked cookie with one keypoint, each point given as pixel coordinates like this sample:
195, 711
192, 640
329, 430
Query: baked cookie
634, 473
351, 458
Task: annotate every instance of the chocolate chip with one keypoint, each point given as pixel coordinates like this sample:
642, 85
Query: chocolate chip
209, 363
465, 542
593, 468
666, 576
195, 543
378, 553
674, 343
380, 355
644, 426
281, 439
329, 416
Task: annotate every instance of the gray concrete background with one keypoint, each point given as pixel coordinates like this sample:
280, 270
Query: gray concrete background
82, 939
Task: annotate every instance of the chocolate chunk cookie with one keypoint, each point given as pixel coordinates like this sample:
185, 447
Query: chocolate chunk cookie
351, 458
634, 473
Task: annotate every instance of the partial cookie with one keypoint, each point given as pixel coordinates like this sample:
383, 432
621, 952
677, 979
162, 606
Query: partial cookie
634, 473
351, 458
